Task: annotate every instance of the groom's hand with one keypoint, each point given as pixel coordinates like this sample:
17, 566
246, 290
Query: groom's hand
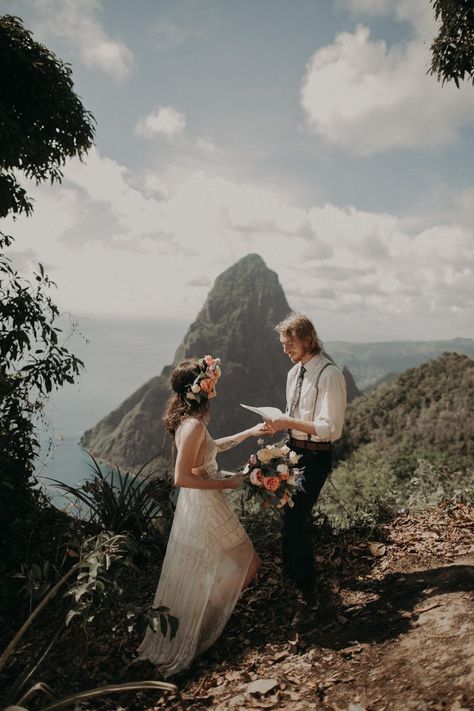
279, 423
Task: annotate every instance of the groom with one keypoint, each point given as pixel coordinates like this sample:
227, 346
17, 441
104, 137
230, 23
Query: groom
316, 403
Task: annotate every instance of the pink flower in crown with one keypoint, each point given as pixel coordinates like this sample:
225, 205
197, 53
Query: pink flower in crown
213, 369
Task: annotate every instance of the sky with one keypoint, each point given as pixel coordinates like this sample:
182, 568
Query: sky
307, 132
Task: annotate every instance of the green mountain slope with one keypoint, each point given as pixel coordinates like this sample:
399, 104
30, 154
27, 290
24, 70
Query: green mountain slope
424, 408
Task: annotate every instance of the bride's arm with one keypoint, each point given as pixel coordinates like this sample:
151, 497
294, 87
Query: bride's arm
191, 437
225, 443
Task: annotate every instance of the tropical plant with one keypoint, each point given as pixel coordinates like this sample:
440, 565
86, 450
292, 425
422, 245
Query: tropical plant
42, 120
97, 556
42, 123
123, 502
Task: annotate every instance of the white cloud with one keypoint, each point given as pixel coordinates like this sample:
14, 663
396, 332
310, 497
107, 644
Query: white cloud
121, 249
163, 120
77, 24
361, 95
357, 94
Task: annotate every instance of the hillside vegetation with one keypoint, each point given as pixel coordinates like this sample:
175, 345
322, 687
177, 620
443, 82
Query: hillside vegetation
425, 408
407, 444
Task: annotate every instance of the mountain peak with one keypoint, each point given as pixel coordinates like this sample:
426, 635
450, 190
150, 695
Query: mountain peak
236, 323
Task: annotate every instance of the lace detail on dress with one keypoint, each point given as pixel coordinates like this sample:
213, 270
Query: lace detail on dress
206, 563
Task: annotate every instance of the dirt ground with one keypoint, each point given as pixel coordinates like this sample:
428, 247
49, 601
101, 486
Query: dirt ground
402, 637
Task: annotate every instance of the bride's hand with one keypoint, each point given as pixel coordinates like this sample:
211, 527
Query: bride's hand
261, 429
235, 482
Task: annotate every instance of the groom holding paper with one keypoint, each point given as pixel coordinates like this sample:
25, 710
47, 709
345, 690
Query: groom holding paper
316, 403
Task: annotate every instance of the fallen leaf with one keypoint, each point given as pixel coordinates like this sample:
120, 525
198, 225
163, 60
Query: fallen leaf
377, 549
261, 686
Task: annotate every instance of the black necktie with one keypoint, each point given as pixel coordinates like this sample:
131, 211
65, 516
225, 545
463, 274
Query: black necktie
296, 397
297, 392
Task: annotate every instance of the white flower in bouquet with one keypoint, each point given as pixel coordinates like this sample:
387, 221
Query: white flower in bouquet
264, 455
293, 457
274, 451
282, 469
284, 450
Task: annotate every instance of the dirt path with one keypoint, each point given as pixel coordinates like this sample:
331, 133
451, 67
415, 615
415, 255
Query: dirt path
403, 637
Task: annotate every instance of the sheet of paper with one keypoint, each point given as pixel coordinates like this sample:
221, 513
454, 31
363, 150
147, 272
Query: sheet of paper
265, 412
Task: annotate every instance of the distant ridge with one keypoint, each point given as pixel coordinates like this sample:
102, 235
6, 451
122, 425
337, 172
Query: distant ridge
237, 324
370, 363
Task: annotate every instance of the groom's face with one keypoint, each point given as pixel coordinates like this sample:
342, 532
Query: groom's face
295, 348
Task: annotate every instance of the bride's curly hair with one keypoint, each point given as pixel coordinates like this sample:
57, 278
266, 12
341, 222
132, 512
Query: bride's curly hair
177, 408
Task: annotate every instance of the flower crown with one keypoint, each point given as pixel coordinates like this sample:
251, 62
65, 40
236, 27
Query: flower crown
205, 380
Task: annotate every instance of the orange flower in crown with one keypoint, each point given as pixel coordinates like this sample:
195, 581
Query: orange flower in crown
205, 381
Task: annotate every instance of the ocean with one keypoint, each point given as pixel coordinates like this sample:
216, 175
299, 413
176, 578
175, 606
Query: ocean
119, 356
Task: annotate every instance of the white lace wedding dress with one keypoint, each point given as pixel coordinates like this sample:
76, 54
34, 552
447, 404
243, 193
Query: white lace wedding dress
206, 563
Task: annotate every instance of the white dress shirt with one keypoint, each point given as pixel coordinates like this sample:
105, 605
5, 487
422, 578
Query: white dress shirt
330, 407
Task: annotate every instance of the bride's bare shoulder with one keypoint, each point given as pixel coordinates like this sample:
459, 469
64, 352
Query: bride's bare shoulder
191, 427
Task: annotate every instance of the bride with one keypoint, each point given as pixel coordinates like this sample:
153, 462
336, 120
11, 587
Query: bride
209, 559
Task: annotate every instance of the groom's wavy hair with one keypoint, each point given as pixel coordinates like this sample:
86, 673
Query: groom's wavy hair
177, 408
299, 326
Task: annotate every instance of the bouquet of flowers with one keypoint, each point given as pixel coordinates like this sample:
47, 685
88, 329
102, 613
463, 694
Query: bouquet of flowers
274, 476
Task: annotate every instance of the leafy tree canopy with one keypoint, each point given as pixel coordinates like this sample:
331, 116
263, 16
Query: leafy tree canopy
42, 123
453, 48
42, 120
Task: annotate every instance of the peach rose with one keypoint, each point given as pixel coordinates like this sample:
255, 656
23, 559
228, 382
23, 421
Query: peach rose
271, 483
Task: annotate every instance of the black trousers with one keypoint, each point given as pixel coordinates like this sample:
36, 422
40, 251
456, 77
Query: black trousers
297, 543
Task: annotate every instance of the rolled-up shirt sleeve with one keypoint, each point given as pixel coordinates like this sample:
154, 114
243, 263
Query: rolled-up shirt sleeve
329, 419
